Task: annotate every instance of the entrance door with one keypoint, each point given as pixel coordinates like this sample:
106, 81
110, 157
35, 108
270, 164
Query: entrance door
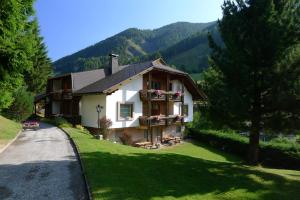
157, 134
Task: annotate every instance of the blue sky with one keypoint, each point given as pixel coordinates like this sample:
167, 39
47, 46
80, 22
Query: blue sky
70, 25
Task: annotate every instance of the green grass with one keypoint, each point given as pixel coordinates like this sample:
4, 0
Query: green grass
186, 171
8, 130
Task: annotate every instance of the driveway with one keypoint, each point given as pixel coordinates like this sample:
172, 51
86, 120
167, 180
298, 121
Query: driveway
41, 164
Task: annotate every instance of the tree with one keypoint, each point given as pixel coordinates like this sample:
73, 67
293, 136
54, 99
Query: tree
22, 106
16, 46
259, 63
36, 77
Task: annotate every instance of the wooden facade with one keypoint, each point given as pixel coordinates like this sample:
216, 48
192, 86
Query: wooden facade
59, 90
158, 100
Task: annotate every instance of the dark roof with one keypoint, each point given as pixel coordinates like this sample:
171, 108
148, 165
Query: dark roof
116, 78
82, 79
128, 71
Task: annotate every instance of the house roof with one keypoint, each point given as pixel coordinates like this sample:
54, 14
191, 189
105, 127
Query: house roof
82, 79
129, 71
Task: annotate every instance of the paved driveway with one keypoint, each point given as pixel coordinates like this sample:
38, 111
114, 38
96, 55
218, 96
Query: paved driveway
41, 165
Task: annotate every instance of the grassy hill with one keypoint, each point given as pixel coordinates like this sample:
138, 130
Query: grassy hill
8, 130
182, 44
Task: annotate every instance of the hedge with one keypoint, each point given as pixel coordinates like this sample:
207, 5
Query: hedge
271, 154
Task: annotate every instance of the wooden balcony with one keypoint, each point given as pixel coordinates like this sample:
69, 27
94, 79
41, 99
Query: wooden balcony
154, 95
160, 120
175, 96
61, 94
160, 95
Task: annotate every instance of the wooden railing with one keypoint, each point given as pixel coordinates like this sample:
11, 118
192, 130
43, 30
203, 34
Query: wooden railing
62, 94
160, 120
160, 95
175, 96
154, 95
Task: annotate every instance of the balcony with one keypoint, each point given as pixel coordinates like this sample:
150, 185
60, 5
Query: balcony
175, 96
61, 94
160, 95
160, 120
153, 95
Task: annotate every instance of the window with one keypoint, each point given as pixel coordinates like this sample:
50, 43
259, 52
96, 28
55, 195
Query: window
146, 134
125, 111
155, 109
178, 129
170, 87
185, 110
155, 85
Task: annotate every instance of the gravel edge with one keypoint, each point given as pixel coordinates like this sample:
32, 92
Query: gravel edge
87, 187
10, 142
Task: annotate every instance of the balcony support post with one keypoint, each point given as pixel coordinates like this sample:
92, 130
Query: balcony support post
149, 105
182, 99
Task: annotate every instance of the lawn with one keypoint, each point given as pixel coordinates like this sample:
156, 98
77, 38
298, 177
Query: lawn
185, 171
8, 130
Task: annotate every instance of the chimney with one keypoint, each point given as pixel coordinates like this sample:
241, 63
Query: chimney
113, 63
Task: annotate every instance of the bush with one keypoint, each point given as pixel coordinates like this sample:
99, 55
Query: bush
126, 138
58, 121
104, 126
22, 106
275, 154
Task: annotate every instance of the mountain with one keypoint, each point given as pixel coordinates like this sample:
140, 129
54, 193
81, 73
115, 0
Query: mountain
181, 44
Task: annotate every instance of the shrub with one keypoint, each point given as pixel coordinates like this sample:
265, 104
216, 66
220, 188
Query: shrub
81, 128
275, 154
61, 122
22, 105
105, 123
126, 138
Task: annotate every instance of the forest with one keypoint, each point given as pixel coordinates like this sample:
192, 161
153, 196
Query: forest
24, 63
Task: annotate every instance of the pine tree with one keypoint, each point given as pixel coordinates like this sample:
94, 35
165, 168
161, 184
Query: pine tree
36, 77
259, 63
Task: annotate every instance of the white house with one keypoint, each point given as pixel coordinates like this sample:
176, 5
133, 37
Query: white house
147, 101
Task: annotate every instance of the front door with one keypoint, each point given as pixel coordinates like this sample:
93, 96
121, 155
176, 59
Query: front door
157, 134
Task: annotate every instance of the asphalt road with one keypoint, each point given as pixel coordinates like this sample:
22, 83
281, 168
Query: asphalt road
41, 165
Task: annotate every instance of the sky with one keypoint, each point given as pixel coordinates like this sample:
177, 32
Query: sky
71, 25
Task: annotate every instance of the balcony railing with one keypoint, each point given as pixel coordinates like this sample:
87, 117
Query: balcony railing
160, 120
62, 94
160, 95
175, 96
154, 95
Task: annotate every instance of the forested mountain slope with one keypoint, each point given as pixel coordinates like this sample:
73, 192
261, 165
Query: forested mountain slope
181, 44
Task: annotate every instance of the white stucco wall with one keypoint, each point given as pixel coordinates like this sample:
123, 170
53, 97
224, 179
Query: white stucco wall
87, 109
188, 99
127, 93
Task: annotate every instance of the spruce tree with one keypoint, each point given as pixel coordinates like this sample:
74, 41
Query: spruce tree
259, 64
36, 77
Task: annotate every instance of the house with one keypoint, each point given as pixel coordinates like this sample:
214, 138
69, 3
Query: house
147, 100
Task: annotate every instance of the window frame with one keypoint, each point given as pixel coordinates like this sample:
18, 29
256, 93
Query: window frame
154, 84
119, 118
182, 110
178, 129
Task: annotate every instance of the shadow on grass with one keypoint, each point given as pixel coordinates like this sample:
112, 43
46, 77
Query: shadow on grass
148, 175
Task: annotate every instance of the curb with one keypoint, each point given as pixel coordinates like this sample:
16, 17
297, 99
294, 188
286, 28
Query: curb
10, 142
87, 187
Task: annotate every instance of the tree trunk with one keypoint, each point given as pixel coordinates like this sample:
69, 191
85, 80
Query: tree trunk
254, 144
253, 154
